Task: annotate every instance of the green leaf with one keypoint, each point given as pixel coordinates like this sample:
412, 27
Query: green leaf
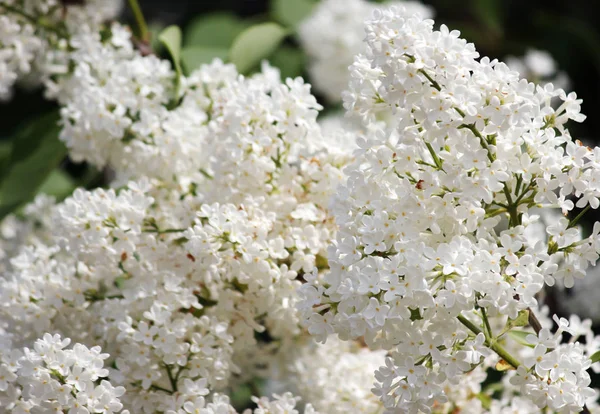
36, 152
486, 400
155, 28
522, 319
242, 396
289, 60
194, 56
5, 151
255, 44
520, 337
59, 184
120, 282
596, 357
291, 12
171, 38
217, 30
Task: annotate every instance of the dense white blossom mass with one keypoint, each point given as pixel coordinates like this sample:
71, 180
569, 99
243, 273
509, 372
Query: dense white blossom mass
176, 277
433, 216
413, 240
33, 46
334, 33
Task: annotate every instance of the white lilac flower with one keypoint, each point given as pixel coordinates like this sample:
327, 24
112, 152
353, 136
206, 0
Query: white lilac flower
33, 37
177, 273
236, 226
335, 377
434, 207
333, 34
52, 376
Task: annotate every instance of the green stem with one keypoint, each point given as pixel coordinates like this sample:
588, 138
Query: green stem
431, 80
158, 388
421, 162
505, 206
20, 12
573, 222
472, 327
484, 144
97, 297
518, 186
524, 193
206, 174
158, 231
496, 212
512, 208
436, 159
172, 379
143, 32
492, 344
486, 324
507, 194
171, 231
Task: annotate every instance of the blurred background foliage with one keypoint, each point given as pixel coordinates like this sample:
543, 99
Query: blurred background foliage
246, 31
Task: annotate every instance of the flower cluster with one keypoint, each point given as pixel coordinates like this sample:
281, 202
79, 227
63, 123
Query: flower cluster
432, 241
236, 226
555, 378
115, 107
51, 378
35, 37
334, 33
539, 66
336, 377
196, 252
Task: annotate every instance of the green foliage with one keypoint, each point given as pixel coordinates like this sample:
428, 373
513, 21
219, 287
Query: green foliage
209, 37
59, 184
194, 56
291, 12
155, 28
171, 39
289, 60
241, 397
486, 400
520, 337
595, 357
216, 30
254, 44
5, 150
522, 319
213, 36
29, 161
